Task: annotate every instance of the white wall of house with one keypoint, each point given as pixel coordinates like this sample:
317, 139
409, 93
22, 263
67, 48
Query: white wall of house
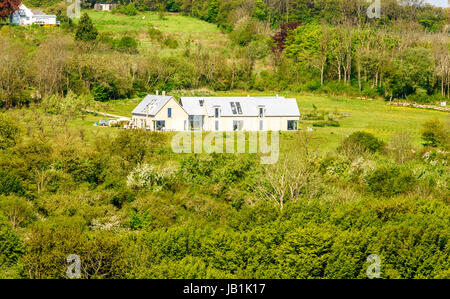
176, 122
24, 16
248, 123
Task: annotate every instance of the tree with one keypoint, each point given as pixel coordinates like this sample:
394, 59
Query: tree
260, 10
434, 133
86, 30
9, 132
8, 7
213, 11
310, 44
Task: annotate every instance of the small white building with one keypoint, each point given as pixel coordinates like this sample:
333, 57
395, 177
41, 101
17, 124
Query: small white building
105, 6
164, 113
26, 16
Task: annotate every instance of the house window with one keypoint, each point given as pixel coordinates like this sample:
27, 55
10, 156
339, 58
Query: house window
216, 112
217, 125
160, 125
292, 125
201, 102
261, 125
238, 125
195, 122
169, 112
261, 111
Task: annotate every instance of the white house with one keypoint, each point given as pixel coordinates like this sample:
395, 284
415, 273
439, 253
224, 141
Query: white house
26, 16
105, 6
156, 112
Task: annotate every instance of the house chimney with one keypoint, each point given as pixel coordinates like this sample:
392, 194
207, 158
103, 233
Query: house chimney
157, 92
163, 93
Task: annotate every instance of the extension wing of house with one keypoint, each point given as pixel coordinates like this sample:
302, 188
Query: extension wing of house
26, 16
216, 114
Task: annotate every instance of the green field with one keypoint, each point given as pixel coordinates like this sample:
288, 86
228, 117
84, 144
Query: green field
185, 29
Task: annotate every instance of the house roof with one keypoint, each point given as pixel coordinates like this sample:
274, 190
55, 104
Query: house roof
154, 103
241, 106
38, 13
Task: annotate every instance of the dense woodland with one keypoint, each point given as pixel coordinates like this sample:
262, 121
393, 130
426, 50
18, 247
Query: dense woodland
131, 208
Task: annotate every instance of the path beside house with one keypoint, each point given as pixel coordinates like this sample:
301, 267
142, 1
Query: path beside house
107, 114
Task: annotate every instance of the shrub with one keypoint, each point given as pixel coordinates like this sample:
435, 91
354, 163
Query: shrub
154, 33
360, 142
129, 10
435, 134
389, 181
327, 123
9, 132
127, 44
10, 183
170, 42
150, 177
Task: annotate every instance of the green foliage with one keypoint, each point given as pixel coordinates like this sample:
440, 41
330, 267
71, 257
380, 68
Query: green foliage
11, 247
390, 181
85, 29
213, 11
435, 133
9, 132
361, 142
127, 44
154, 33
10, 183
129, 9
170, 42
260, 10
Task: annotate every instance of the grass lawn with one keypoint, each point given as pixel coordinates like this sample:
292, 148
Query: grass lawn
373, 116
184, 28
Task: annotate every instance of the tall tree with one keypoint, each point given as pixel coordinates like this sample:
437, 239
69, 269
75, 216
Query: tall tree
85, 29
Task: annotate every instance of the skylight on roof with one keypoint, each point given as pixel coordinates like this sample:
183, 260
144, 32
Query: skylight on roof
239, 109
233, 108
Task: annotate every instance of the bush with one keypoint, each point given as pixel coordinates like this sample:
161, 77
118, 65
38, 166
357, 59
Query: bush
129, 10
327, 123
435, 134
360, 142
154, 33
127, 44
170, 42
9, 132
150, 177
10, 183
389, 181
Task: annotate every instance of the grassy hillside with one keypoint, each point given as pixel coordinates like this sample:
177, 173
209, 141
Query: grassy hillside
186, 30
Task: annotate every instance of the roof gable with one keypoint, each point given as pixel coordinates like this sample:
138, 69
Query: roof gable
154, 103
